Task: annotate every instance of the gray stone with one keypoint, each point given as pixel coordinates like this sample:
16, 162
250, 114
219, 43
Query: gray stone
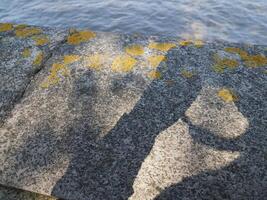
21, 58
90, 128
7, 193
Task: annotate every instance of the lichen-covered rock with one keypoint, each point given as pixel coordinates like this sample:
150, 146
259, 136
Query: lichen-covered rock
103, 120
23, 51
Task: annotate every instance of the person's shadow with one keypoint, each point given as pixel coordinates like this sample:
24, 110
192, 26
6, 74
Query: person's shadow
245, 177
107, 169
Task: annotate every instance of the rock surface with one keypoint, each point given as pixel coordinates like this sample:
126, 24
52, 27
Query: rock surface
7, 193
24, 50
110, 116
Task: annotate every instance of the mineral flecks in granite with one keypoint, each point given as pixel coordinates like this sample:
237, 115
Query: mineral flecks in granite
7, 193
24, 49
102, 120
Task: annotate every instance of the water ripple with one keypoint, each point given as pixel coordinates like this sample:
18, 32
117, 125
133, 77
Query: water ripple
236, 20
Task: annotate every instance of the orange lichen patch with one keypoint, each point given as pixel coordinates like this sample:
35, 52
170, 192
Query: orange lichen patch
187, 74
26, 53
94, 61
27, 32
80, 36
154, 61
184, 43
40, 40
198, 43
227, 95
154, 74
38, 60
68, 59
123, 63
255, 61
135, 50
161, 46
53, 77
6, 27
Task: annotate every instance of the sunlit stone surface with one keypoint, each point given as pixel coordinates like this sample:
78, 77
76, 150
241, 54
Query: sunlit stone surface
99, 120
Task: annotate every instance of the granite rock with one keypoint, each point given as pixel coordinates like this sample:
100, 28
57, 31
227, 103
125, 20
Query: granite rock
113, 116
24, 49
7, 193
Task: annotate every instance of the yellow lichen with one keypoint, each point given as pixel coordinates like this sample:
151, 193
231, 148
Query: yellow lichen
26, 53
94, 61
68, 59
154, 61
222, 63
228, 63
59, 67
154, 74
255, 61
218, 68
161, 46
6, 27
123, 63
249, 60
40, 40
27, 32
198, 43
185, 42
187, 74
227, 95
53, 77
51, 80
135, 50
38, 60
243, 54
21, 26
80, 36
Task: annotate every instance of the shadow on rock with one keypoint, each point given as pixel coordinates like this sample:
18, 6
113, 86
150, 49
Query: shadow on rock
246, 177
108, 168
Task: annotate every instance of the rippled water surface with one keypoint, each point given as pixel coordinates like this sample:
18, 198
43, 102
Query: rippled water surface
231, 20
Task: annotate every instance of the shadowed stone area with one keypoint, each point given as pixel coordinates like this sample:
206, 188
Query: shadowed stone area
113, 116
7, 193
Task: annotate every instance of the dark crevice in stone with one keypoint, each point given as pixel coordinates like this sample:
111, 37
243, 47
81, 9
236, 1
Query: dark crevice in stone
37, 71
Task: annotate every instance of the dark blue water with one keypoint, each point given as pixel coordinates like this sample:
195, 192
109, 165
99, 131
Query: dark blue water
231, 20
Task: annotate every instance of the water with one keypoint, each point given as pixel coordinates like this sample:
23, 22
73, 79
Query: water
231, 20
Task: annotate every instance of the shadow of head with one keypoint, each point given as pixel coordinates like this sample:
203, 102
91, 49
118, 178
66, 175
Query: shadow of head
243, 178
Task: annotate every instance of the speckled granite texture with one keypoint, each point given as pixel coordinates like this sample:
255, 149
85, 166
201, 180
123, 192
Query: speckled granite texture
7, 193
22, 55
110, 116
